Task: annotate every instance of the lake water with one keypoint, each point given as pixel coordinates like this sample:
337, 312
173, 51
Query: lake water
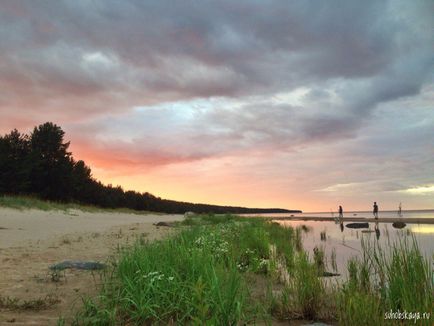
347, 242
381, 214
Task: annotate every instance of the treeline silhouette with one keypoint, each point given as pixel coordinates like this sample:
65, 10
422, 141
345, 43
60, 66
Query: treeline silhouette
40, 165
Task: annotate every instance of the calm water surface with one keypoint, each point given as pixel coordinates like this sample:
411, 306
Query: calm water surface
347, 242
382, 214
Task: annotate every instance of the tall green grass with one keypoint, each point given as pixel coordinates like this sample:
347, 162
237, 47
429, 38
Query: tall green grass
284, 239
308, 287
304, 295
193, 277
28, 202
25, 202
398, 279
205, 219
169, 281
205, 275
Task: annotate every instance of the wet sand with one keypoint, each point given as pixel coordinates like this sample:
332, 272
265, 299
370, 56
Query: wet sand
32, 240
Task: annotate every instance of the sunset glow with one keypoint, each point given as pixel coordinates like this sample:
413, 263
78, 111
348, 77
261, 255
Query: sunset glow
426, 229
233, 103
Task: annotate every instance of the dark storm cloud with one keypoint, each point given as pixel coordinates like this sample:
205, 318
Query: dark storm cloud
78, 60
199, 49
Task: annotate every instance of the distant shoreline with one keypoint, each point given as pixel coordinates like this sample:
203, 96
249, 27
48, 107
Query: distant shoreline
423, 220
384, 211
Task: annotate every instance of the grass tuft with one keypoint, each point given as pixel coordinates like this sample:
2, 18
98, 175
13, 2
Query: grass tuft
398, 280
28, 202
33, 304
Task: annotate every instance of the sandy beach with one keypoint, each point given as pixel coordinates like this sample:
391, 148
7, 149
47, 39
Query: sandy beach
32, 240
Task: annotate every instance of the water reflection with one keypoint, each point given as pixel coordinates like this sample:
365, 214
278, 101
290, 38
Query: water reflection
323, 236
377, 231
340, 243
426, 229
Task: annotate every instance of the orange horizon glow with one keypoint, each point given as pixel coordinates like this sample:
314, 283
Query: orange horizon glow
174, 183
215, 181
283, 108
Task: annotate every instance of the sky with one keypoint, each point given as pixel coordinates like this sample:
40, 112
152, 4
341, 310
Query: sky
300, 105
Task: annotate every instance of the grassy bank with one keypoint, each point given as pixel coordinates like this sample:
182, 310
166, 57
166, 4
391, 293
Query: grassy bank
223, 270
28, 202
385, 282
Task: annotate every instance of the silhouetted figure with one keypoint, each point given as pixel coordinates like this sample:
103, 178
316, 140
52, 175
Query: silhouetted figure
375, 211
342, 226
341, 212
377, 231
400, 210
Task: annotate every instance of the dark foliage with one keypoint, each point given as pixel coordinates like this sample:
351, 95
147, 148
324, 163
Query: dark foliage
39, 164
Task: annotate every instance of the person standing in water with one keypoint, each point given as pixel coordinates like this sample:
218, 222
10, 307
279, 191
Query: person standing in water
375, 211
400, 210
341, 212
